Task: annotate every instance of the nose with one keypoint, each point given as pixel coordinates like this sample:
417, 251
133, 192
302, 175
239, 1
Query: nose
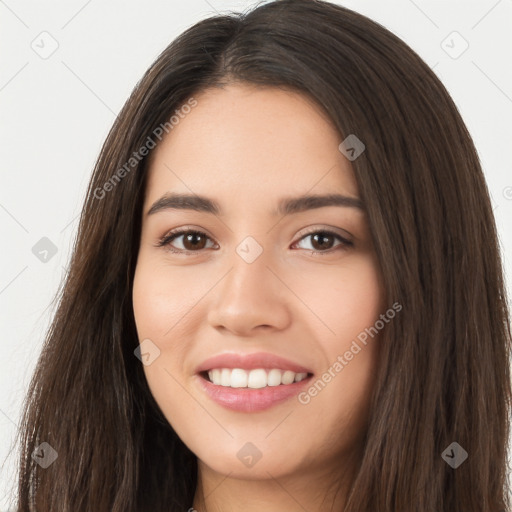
250, 297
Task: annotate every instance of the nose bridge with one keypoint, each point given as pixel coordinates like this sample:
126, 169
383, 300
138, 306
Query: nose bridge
249, 272
250, 250
249, 295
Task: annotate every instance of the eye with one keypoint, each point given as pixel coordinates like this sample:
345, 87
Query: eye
194, 240
322, 241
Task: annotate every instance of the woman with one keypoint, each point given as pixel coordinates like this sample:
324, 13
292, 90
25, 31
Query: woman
286, 290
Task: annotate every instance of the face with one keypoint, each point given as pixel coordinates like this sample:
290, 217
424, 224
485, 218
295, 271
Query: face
269, 301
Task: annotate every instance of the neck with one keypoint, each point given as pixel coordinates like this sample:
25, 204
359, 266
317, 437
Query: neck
320, 490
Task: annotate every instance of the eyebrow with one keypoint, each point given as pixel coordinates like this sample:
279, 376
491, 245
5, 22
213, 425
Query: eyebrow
286, 206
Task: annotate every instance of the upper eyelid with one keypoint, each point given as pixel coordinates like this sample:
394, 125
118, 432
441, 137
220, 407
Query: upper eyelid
173, 234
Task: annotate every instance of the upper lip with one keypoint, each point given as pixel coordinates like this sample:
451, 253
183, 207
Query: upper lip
250, 362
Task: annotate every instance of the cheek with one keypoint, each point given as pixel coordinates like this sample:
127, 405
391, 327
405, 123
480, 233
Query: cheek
360, 299
160, 312
350, 307
345, 299
157, 308
162, 298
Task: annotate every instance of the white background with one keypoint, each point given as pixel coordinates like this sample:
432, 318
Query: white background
56, 112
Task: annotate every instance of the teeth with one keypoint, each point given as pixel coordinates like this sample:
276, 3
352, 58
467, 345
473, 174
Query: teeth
238, 378
255, 379
288, 377
225, 377
274, 377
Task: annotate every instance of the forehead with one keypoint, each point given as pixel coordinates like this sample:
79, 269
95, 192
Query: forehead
246, 144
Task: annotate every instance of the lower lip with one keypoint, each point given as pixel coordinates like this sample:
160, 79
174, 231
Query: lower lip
251, 400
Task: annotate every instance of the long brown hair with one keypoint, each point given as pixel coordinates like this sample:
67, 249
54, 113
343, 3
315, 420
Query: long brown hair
443, 376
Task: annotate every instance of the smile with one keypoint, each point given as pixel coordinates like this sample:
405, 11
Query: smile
251, 382
255, 379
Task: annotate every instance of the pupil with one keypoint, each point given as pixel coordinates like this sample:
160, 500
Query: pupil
323, 237
190, 237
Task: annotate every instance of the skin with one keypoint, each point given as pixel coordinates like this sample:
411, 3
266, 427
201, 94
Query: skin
247, 147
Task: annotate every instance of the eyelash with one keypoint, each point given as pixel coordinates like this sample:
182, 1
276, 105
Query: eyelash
171, 236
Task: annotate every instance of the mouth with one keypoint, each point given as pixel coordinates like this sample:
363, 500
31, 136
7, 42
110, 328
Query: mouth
250, 394
251, 382
256, 378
